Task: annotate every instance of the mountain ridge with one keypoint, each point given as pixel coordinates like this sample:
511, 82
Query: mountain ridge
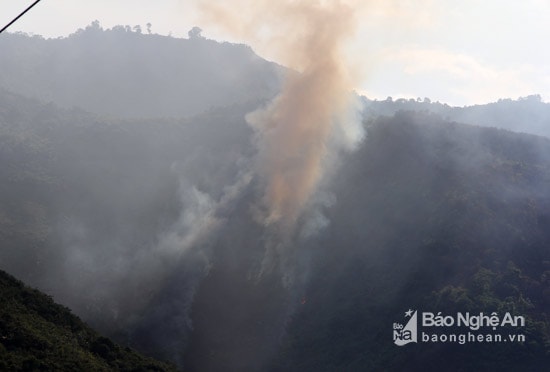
124, 73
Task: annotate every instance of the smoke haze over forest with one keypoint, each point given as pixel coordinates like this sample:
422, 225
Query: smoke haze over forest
210, 208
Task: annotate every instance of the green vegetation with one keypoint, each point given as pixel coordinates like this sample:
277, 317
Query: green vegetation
37, 334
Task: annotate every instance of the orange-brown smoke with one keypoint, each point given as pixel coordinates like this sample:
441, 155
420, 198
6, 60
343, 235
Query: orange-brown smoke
294, 130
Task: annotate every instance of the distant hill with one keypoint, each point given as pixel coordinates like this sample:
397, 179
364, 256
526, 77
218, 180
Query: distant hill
37, 334
125, 73
523, 115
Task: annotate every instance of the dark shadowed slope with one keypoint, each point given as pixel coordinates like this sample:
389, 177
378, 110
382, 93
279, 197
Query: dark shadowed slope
129, 74
37, 334
433, 216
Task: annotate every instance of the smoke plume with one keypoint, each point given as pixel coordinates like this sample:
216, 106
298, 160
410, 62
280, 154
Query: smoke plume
294, 131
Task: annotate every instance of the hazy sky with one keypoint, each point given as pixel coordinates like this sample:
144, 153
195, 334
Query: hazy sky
459, 52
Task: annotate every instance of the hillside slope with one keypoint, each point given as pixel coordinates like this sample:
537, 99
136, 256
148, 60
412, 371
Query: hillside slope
433, 216
38, 334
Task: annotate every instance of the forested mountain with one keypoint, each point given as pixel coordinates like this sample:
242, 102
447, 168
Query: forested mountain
146, 225
126, 73
427, 212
